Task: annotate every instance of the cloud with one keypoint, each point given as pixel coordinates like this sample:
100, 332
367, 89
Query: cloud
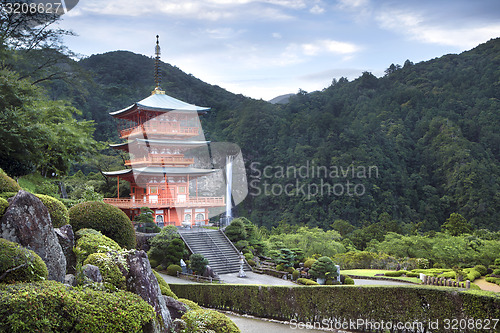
417, 27
317, 9
329, 46
222, 33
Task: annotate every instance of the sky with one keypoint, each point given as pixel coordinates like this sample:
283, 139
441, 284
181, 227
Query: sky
266, 48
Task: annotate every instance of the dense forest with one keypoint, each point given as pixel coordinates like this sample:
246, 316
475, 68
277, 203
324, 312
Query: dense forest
401, 152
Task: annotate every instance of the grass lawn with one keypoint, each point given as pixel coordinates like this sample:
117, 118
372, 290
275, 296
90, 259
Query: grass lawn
372, 272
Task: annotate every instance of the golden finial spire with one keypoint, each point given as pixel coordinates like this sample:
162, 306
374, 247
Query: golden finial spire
157, 68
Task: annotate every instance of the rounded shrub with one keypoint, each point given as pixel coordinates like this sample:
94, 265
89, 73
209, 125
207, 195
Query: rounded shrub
295, 274
4, 204
348, 280
20, 264
280, 268
307, 282
172, 270
164, 287
205, 320
192, 305
57, 210
49, 306
109, 220
309, 262
324, 267
481, 269
92, 241
252, 263
248, 256
8, 184
395, 273
111, 274
198, 263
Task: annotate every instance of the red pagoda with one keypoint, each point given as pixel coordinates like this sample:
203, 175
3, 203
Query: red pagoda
164, 138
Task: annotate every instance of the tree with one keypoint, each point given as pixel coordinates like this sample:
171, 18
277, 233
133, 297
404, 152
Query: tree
456, 225
324, 268
343, 227
145, 221
198, 263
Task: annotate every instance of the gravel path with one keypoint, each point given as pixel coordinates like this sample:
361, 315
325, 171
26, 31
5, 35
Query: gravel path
485, 285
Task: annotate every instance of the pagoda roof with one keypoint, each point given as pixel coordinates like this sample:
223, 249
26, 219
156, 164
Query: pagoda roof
161, 102
157, 142
161, 171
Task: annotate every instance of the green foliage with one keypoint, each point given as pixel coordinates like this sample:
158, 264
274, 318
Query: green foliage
90, 241
58, 212
172, 270
4, 204
8, 184
481, 269
348, 280
110, 220
7, 195
18, 264
307, 282
51, 307
198, 263
284, 258
203, 320
192, 305
108, 264
396, 273
295, 274
145, 221
301, 303
456, 225
324, 267
248, 256
493, 280
309, 262
167, 247
164, 287
236, 231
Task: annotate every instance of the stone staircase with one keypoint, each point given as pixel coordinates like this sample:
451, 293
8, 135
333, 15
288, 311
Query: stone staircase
221, 254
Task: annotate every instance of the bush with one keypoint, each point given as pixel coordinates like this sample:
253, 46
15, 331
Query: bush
203, 320
497, 261
493, 280
25, 265
307, 282
51, 307
248, 256
4, 204
92, 241
109, 220
309, 262
471, 274
448, 275
396, 273
172, 270
348, 280
108, 266
295, 275
167, 248
280, 268
198, 263
7, 195
481, 269
164, 287
192, 305
412, 274
496, 271
57, 211
252, 263
236, 231
8, 184
324, 268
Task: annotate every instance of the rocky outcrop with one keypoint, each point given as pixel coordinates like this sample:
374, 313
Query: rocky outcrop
92, 272
176, 308
66, 239
141, 281
27, 222
143, 240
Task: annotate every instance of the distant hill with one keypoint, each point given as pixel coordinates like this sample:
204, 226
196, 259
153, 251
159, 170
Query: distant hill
431, 129
282, 99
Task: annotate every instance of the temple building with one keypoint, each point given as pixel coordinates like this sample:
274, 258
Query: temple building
164, 140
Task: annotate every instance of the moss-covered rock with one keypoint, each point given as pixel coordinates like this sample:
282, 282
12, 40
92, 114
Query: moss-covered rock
204, 319
109, 220
51, 307
109, 267
24, 265
92, 241
3, 206
164, 287
8, 184
192, 305
7, 195
58, 212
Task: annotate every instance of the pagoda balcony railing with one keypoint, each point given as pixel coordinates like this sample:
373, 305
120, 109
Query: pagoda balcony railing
160, 160
165, 203
159, 129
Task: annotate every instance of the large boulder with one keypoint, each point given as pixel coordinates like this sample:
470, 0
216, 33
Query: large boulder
92, 272
27, 222
176, 308
143, 240
142, 281
66, 239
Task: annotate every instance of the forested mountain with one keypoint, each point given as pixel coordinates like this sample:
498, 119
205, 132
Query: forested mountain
429, 131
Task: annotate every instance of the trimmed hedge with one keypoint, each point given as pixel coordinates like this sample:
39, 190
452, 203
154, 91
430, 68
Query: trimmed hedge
396, 273
109, 220
164, 287
172, 270
57, 211
307, 282
92, 241
8, 184
377, 303
4, 204
203, 320
51, 307
13, 255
